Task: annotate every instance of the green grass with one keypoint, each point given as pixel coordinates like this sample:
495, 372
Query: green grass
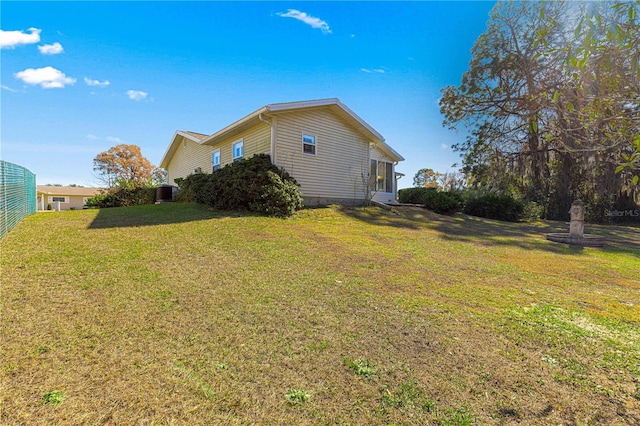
174, 314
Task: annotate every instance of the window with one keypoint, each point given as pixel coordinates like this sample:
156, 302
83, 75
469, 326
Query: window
238, 151
381, 176
215, 160
308, 144
60, 199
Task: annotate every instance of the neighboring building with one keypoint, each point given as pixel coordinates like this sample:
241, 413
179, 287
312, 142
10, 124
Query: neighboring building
69, 197
335, 156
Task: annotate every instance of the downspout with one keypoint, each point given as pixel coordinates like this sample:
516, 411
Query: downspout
272, 148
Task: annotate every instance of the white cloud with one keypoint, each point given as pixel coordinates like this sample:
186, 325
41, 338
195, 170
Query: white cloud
444, 146
47, 77
51, 49
136, 95
111, 139
8, 88
99, 83
312, 21
372, 71
11, 39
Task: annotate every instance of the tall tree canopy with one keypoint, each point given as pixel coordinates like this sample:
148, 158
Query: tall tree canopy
551, 102
125, 165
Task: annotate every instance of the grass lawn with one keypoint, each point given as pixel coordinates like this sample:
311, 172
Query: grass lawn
173, 314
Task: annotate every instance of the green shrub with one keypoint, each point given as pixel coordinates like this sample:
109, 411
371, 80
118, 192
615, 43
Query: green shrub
122, 197
253, 184
532, 211
494, 206
443, 202
414, 195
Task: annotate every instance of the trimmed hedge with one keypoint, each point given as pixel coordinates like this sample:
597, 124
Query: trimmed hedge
443, 202
439, 202
494, 206
254, 185
413, 195
123, 197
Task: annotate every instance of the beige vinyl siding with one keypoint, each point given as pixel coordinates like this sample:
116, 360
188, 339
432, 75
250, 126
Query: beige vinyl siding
257, 140
189, 156
342, 155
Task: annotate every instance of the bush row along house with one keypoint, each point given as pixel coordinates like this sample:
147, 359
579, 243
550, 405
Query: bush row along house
335, 156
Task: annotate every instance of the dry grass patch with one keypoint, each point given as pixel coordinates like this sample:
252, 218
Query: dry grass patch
176, 314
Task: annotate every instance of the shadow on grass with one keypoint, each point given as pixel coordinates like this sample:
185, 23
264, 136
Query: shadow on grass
374, 215
476, 230
156, 214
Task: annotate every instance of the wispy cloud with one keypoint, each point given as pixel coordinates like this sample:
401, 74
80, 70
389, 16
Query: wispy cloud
51, 49
312, 21
9, 89
47, 78
90, 82
110, 139
373, 71
11, 39
136, 95
444, 146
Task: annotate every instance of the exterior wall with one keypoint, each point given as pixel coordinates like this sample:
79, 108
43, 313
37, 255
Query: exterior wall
381, 196
340, 168
257, 140
188, 156
191, 155
76, 202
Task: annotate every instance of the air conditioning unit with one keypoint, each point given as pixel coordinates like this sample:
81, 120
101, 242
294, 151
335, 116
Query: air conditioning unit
198, 170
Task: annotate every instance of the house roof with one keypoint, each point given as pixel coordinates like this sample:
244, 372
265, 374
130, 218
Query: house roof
175, 141
68, 190
248, 121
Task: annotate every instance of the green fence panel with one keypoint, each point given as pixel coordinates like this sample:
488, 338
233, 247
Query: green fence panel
17, 195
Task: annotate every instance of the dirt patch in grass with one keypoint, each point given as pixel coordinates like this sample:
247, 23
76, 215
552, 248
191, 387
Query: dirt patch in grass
335, 316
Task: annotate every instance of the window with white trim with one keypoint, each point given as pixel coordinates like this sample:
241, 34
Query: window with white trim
381, 176
53, 199
215, 159
238, 150
308, 144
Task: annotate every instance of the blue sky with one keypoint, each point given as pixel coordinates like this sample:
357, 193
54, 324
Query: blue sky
80, 77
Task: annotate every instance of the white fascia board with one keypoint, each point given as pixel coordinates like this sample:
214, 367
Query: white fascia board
188, 136
211, 139
171, 149
302, 104
391, 151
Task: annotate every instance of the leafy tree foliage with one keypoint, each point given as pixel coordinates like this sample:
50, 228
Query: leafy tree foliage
551, 102
124, 165
426, 178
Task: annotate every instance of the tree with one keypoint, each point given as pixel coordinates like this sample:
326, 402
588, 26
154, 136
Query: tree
426, 178
124, 165
551, 103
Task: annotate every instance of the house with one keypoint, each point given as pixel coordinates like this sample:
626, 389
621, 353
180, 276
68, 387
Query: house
333, 154
67, 197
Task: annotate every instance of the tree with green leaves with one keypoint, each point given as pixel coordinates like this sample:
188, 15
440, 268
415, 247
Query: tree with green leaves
550, 103
426, 178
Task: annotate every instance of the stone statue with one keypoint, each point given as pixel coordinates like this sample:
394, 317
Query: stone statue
576, 225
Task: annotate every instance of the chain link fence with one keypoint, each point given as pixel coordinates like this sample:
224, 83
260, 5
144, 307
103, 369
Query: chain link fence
17, 195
